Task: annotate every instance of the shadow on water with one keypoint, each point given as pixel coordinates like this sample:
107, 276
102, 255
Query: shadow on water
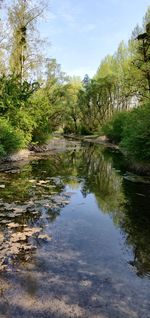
74, 228
135, 221
124, 196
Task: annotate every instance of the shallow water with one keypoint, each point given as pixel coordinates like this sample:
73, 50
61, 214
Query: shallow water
75, 237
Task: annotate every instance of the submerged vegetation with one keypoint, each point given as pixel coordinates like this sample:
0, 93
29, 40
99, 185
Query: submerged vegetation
37, 98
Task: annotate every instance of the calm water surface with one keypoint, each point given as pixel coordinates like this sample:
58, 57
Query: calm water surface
75, 237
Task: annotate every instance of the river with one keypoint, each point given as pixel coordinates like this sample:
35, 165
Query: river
75, 237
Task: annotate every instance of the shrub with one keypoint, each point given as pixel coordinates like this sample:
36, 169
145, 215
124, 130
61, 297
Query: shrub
131, 130
41, 133
2, 151
23, 121
16, 106
114, 128
83, 130
136, 133
68, 130
10, 139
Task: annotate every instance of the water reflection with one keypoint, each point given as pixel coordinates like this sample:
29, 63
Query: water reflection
33, 196
101, 179
127, 201
136, 225
135, 221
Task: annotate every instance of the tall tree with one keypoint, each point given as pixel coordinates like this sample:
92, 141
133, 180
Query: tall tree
3, 40
22, 17
141, 61
72, 113
2, 48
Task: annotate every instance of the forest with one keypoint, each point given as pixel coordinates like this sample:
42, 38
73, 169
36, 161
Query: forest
37, 98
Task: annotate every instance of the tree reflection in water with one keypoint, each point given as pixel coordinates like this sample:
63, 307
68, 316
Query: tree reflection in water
100, 172
125, 200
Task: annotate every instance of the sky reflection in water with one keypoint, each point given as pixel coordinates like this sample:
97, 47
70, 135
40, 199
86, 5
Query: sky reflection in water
97, 260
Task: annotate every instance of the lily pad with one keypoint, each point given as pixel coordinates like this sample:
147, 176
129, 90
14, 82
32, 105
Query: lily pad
45, 237
13, 225
1, 237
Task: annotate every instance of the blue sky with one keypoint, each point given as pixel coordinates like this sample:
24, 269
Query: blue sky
83, 32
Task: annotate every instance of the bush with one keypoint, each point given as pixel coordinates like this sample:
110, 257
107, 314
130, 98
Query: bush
10, 139
24, 122
131, 130
41, 133
85, 131
68, 130
2, 151
16, 105
114, 128
136, 133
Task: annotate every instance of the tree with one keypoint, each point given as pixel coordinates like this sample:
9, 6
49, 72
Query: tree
139, 47
146, 19
142, 61
2, 49
49, 102
3, 39
86, 80
24, 55
96, 103
72, 117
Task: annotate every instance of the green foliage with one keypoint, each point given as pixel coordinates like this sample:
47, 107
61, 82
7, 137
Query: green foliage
2, 151
10, 139
15, 104
68, 129
131, 130
83, 130
114, 128
41, 134
14, 95
71, 105
95, 101
136, 133
47, 111
25, 122
25, 54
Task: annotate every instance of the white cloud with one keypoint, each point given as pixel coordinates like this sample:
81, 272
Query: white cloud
73, 16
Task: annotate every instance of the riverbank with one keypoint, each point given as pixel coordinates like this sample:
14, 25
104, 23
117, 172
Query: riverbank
59, 143
102, 140
140, 168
